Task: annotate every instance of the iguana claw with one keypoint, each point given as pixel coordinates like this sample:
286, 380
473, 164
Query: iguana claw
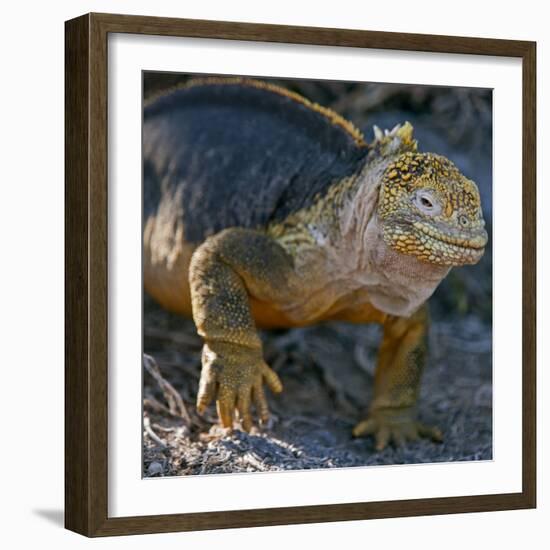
395, 426
234, 376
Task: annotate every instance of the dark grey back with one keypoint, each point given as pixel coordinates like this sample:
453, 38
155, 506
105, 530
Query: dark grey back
239, 155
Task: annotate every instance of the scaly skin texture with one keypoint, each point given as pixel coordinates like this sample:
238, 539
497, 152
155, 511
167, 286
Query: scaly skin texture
371, 246
401, 360
454, 232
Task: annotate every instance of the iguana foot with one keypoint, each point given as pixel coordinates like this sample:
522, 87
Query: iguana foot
395, 426
234, 375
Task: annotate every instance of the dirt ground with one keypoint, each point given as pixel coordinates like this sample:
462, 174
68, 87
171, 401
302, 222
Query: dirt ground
327, 372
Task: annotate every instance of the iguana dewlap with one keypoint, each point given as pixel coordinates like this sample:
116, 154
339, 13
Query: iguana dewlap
264, 209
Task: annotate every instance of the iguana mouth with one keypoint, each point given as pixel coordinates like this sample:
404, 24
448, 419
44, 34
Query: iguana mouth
461, 240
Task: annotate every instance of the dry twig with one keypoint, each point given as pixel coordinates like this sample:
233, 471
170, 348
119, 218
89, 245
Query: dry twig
149, 431
176, 405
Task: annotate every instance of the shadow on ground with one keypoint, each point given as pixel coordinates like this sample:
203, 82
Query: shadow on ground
327, 371
57, 517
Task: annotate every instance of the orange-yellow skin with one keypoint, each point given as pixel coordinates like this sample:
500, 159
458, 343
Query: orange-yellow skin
233, 367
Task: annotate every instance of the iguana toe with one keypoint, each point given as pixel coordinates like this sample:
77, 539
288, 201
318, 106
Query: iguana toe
234, 377
395, 426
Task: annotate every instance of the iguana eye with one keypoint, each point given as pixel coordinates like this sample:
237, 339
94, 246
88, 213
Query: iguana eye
426, 203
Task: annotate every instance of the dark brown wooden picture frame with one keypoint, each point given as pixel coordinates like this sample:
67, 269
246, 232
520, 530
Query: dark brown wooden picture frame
86, 219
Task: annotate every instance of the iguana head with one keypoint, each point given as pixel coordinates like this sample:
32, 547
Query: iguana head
428, 209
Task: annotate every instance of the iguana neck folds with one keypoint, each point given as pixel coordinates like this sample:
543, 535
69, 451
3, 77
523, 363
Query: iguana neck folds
338, 249
392, 230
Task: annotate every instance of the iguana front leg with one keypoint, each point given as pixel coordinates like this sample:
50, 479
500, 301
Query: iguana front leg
225, 271
392, 415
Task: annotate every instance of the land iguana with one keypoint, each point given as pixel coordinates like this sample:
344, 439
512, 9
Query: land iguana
263, 209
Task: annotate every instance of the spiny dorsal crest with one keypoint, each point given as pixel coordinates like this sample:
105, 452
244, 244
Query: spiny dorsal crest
395, 141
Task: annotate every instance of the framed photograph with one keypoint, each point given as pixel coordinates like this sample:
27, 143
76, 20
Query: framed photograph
300, 275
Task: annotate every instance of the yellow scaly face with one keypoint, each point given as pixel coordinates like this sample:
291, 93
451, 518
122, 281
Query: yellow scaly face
428, 209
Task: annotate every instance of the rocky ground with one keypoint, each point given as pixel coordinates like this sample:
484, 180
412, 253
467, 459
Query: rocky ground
327, 371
